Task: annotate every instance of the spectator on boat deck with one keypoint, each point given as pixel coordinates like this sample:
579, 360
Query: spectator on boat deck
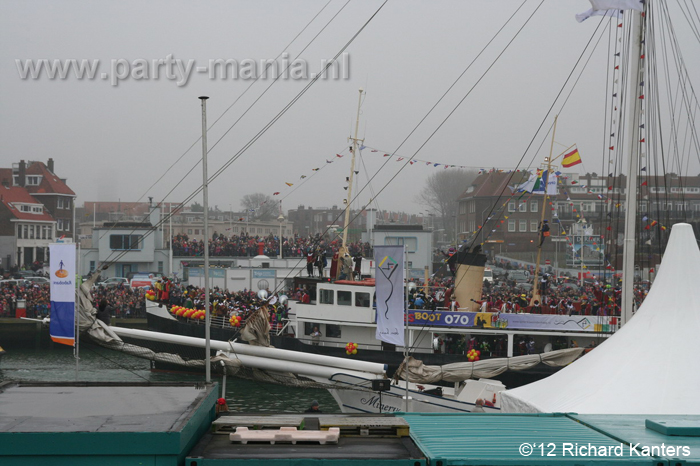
316, 337
320, 262
358, 266
454, 305
310, 263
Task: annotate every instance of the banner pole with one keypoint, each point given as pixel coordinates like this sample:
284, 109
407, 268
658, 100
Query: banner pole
76, 350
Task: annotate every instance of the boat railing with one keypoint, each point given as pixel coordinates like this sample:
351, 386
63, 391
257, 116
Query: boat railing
276, 328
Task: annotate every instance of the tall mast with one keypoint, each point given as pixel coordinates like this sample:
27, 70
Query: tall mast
343, 247
205, 202
536, 295
631, 148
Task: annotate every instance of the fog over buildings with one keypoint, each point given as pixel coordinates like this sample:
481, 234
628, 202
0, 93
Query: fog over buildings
127, 138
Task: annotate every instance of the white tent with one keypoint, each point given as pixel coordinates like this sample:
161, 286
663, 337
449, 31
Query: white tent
650, 366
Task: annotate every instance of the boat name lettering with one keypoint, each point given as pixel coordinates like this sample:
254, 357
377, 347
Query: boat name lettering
455, 319
374, 403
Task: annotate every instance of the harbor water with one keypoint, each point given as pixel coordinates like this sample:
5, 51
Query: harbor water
56, 363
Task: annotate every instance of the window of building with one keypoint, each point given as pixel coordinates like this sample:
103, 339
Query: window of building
66, 225
326, 296
333, 331
511, 206
160, 267
92, 266
37, 210
533, 206
31, 231
125, 242
19, 232
511, 225
344, 298
59, 225
472, 207
362, 299
33, 180
522, 207
189, 231
59, 203
410, 242
533, 225
25, 208
522, 226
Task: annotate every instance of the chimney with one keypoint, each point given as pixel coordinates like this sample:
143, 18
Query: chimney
22, 173
49, 165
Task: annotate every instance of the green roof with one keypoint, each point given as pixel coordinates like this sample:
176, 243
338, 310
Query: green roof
534, 439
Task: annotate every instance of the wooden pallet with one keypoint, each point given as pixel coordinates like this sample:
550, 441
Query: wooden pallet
285, 435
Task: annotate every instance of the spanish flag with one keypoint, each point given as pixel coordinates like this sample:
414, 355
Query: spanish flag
571, 159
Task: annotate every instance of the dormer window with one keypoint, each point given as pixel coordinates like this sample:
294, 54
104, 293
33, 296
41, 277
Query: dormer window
33, 180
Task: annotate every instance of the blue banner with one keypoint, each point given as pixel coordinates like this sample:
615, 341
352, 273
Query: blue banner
389, 277
496, 320
62, 288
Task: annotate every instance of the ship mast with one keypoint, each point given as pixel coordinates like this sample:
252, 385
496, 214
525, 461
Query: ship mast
343, 247
536, 295
632, 148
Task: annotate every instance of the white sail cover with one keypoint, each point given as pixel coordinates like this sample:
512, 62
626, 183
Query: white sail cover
650, 366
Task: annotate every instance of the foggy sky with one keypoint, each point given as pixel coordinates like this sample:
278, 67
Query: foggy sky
113, 142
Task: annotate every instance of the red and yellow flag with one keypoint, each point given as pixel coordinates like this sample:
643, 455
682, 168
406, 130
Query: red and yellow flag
571, 159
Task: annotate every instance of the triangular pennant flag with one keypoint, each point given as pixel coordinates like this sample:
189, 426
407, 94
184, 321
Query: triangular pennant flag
275, 194
289, 184
339, 156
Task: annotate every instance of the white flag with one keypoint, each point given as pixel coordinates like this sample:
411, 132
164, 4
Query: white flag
581, 17
617, 5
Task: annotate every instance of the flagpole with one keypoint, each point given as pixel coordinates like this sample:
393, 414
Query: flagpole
405, 326
536, 292
205, 195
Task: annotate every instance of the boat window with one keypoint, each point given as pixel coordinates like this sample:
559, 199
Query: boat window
309, 327
344, 298
362, 299
326, 296
333, 331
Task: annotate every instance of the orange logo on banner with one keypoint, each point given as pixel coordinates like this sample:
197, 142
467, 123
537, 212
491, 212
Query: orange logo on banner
61, 273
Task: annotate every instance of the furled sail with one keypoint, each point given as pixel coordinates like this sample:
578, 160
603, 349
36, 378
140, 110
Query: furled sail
487, 368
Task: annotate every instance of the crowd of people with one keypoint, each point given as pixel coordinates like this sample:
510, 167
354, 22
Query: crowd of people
124, 301
245, 245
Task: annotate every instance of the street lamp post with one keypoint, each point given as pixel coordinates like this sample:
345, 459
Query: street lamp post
281, 220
